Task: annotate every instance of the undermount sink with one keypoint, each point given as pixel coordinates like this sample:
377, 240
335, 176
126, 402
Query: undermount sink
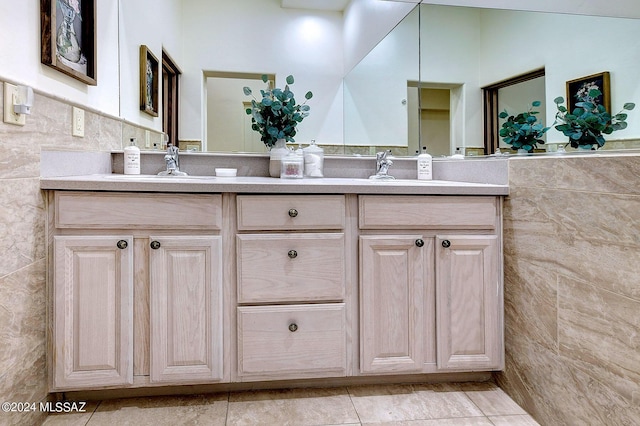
156, 177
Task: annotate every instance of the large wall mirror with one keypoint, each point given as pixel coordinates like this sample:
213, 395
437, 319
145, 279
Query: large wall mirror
422, 85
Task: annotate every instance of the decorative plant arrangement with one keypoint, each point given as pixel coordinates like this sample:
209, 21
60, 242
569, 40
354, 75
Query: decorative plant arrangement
277, 114
589, 120
523, 131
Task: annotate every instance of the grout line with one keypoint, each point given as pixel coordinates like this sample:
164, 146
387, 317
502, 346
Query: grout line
92, 413
353, 405
226, 414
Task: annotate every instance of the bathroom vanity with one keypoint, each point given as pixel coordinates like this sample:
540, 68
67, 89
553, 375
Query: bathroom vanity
222, 281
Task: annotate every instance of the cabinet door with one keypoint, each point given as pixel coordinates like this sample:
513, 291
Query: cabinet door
185, 313
468, 302
393, 275
92, 311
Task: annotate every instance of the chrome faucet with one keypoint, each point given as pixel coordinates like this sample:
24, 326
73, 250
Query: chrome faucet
382, 165
173, 162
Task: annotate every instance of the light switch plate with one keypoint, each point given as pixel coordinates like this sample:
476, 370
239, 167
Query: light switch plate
10, 117
147, 139
77, 122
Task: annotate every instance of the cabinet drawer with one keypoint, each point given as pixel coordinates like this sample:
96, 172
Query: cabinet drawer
296, 340
290, 212
113, 210
432, 212
290, 268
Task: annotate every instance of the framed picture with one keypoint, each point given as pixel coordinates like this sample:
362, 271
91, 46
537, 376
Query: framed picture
148, 81
583, 85
68, 37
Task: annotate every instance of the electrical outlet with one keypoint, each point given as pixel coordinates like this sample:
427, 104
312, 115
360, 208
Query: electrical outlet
11, 96
77, 122
147, 139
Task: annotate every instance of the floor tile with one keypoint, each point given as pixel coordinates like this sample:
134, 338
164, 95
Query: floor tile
491, 399
291, 407
210, 410
375, 404
525, 420
71, 419
461, 421
464, 404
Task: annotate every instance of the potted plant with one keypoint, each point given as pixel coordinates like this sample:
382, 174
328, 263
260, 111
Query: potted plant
275, 116
589, 120
522, 131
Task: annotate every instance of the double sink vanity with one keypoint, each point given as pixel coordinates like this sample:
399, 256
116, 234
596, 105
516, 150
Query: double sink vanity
218, 281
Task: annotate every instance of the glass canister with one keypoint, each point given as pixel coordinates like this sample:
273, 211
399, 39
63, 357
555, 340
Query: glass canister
292, 166
313, 160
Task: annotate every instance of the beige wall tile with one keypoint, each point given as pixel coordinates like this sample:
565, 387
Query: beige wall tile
571, 295
599, 330
22, 222
22, 338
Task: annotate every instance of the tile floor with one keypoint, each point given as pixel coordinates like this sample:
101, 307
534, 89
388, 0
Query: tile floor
472, 404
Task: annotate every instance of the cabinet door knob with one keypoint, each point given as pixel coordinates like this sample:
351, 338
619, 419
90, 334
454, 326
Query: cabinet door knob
293, 212
292, 254
293, 327
155, 245
446, 244
419, 242
122, 244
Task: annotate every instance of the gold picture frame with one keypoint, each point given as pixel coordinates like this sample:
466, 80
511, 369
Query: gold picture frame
148, 81
68, 38
601, 81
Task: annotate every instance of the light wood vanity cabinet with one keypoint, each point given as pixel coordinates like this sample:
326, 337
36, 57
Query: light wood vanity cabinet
136, 289
291, 315
153, 289
430, 285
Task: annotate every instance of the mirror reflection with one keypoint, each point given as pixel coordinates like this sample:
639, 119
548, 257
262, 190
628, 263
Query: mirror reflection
422, 85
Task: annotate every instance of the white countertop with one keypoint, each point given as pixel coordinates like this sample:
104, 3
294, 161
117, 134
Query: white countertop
247, 184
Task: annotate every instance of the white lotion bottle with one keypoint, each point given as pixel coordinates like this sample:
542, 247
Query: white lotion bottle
132, 158
425, 165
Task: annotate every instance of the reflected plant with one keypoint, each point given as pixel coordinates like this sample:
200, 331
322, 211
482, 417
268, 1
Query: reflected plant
276, 115
522, 131
589, 120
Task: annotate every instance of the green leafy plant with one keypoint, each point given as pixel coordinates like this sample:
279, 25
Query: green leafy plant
276, 115
588, 121
523, 131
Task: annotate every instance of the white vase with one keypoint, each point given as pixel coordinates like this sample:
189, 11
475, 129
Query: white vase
276, 154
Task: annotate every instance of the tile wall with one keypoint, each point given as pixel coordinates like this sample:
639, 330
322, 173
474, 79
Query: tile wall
572, 289
22, 245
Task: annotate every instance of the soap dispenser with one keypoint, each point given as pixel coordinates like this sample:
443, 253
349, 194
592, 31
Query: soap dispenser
313, 160
132, 158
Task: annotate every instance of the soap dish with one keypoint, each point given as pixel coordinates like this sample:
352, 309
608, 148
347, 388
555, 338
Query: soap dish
226, 172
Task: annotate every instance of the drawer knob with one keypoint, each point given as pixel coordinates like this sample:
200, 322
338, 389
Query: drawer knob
293, 212
292, 254
155, 245
446, 244
122, 244
419, 242
293, 327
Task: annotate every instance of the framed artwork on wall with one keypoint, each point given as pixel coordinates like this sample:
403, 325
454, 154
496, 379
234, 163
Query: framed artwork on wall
581, 86
68, 37
148, 81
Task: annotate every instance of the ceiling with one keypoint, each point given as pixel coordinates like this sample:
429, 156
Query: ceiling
332, 5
